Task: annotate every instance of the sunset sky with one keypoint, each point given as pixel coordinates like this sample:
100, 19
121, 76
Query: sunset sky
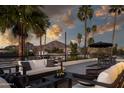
64, 18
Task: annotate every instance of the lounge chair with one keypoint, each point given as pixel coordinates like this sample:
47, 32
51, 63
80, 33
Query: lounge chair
110, 78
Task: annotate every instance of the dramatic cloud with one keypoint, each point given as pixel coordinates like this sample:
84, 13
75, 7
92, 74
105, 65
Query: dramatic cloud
56, 10
7, 39
68, 19
108, 26
101, 29
61, 15
54, 32
102, 11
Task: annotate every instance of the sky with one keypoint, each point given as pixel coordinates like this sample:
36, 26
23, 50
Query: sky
63, 19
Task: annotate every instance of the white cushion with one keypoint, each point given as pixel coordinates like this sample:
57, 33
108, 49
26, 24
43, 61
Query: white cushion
32, 64
4, 83
110, 75
35, 64
103, 77
78, 85
39, 67
42, 70
40, 63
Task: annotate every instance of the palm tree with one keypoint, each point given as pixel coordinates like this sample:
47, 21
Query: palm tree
116, 10
88, 31
94, 29
39, 34
90, 41
22, 19
85, 12
79, 37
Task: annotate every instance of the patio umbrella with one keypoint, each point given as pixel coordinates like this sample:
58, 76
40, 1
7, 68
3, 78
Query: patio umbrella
101, 45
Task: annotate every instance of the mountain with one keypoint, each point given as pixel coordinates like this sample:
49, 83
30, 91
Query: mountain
54, 44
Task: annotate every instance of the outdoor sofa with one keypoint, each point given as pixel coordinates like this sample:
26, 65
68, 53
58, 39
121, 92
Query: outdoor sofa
112, 77
36, 68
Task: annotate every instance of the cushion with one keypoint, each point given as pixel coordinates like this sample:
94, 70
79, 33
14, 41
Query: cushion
113, 73
4, 83
32, 64
26, 65
78, 85
40, 63
43, 70
103, 77
50, 63
110, 75
119, 67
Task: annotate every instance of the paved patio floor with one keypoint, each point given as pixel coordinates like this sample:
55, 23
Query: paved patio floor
79, 68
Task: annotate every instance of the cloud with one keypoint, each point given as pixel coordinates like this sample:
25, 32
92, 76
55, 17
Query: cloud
68, 19
7, 39
102, 11
56, 10
61, 15
108, 26
101, 29
54, 32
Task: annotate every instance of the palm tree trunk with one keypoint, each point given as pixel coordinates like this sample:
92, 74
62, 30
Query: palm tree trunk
21, 42
22, 46
40, 45
45, 41
79, 49
24, 39
19, 48
45, 38
85, 40
113, 35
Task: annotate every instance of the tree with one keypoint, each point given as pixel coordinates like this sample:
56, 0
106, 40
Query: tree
94, 29
91, 30
85, 12
74, 52
116, 10
90, 41
22, 19
79, 37
39, 34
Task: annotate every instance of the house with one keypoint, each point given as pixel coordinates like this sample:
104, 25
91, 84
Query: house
52, 47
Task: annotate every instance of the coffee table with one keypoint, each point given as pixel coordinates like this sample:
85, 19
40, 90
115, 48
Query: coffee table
55, 81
